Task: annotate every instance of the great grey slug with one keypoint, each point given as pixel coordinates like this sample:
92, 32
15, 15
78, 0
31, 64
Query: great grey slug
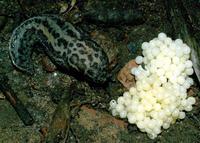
63, 44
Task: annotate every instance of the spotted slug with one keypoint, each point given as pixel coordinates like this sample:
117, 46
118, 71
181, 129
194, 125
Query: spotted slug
62, 43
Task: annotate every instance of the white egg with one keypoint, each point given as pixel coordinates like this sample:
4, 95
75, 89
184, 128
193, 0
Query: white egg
186, 84
168, 41
157, 130
132, 90
133, 70
179, 42
131, 118
188, 64
119, 108
175, 60
155, 51
137, 72
188, 108
190, 80
140, 125
123, 114
145, 45
126, 95
152, 135
121, 100
181, 115
114, 112
181, 80
139, 59
175, 113
191, 100
166, 125
186, 50
189, 71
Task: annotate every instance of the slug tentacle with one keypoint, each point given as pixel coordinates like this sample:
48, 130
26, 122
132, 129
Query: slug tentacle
62, 43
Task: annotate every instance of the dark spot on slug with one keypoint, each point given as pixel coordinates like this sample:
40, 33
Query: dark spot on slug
90, 57
50, 29
46, 24
95, 65
55, 34
63, 42
59, 22
64, 55
71, 33
38, 20
79, 45
71, 44
74, 59
82, 52
90, 72
82, 60
96, 55
69, 51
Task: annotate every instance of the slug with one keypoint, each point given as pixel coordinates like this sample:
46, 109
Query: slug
62, 43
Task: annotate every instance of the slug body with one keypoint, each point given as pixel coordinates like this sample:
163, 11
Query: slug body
63, 44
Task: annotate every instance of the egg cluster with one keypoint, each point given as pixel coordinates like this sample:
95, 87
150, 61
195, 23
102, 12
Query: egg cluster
162, 79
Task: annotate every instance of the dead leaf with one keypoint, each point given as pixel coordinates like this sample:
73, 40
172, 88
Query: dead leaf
125, 76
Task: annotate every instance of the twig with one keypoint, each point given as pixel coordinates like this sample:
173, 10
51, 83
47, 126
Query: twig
59, 127
22, 112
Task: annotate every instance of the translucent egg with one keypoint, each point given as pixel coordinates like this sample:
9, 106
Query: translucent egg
155, 51
133, 70
188, 108
131, 118
139, 116
186, 50
145, 45
166, 125
175, 113
162, 36
140, 125
160, 72
152, 135
189, 71
132, 90
113, 103
181, 115
114, 112
123, 114
186, 85
139, 59
119, 108
180, 79
175, 60
126, 95
132, 108
191, 100
179, 42
190, 80
121, 100
157, 107
157, 130
163, 79
184, 102
168, 41
140, 109
188, 64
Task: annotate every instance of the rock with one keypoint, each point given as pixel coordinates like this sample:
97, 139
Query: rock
100, 126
